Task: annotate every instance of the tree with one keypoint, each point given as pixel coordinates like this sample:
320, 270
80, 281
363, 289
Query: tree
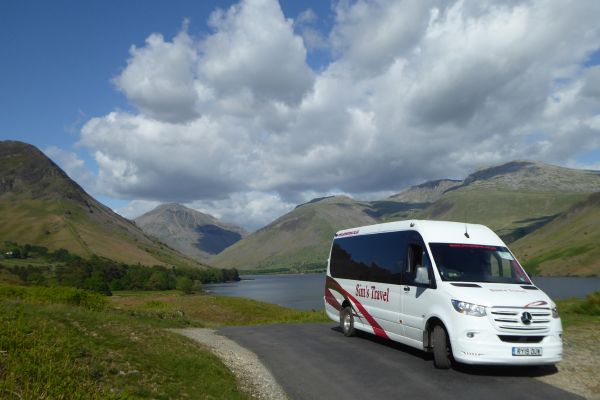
159, 280
96, 283
184, 284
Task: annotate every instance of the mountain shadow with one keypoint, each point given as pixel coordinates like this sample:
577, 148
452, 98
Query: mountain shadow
215, 239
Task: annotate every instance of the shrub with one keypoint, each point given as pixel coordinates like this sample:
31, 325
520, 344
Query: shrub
184, 284
590, 306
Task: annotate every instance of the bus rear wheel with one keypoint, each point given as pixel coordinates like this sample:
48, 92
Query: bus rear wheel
347, 321
441, 348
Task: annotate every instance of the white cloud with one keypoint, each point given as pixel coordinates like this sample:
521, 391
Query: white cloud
372, 34
251, 210
236, 123
136, 208
159, 78
254, 48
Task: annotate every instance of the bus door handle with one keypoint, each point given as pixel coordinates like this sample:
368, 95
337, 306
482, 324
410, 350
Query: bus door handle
407, 288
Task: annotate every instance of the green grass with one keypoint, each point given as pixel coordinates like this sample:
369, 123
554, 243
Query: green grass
533, 265
53, 295
504, 211
566, 246
578, 312
172, 309
69, 343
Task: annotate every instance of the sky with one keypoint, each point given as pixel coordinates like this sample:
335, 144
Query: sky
245, 109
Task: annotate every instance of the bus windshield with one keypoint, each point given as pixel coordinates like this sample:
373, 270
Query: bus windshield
477, 263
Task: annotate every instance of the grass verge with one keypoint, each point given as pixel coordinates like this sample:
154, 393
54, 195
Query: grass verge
205, 310
60, 342
579, 312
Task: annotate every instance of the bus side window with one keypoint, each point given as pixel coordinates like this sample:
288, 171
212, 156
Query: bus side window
415, 260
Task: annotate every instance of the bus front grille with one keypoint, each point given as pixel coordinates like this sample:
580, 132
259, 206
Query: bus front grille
520, 319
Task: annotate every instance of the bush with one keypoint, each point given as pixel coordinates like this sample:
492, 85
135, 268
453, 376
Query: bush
184, 284
159, 280
590, 306
96, 283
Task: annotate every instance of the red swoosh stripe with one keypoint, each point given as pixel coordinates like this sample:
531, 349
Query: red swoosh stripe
333, 284
331, 300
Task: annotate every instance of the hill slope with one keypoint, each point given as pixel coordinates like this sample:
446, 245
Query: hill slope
569, 245
516, 198
427, 192
300, 238
41, 205
193, 233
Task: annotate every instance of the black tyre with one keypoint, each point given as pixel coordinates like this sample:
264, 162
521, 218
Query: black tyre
441, 348
347, 321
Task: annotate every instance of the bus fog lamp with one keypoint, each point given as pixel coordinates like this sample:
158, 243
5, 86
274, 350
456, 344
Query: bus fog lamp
468, 308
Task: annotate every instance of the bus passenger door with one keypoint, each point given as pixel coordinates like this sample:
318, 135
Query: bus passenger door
416, 290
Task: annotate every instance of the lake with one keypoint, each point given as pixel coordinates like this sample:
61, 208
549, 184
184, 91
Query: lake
305, 291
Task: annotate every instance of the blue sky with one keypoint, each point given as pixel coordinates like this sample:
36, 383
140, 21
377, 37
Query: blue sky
60, 57
63, 55
281, 101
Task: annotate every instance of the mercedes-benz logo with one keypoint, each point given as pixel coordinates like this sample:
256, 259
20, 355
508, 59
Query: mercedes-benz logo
526, 318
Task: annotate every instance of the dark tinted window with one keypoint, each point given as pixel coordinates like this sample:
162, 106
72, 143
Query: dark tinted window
476, 263
377, 258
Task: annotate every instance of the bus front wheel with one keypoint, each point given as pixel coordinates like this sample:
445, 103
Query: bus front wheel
441, 348
347, 321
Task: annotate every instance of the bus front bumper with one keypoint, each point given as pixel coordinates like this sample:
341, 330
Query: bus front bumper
488, 348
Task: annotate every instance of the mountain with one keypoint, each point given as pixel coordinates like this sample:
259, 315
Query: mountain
515, 198
519, 199
427, 192
410, 202
568, 245
300, 238
193, 233
41, 205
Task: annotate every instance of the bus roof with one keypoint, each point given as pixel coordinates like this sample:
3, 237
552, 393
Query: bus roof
433, 231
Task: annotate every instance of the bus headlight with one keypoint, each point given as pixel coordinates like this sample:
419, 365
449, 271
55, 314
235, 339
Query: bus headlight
469, 308
555, 313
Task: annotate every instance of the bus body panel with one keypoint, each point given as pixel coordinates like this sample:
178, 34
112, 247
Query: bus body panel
380, 275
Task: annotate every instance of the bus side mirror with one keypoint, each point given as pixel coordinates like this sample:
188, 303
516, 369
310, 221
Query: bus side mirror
422, 276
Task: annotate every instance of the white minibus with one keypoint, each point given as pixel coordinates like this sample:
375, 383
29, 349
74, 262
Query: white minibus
449, 288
